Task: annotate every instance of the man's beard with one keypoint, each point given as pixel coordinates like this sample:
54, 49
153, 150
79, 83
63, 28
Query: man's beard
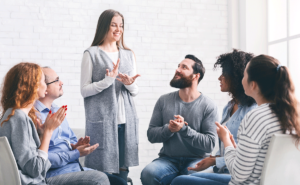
183, 82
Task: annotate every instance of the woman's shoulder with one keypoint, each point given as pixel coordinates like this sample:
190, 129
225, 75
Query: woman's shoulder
91, 49
258, 114
19, 117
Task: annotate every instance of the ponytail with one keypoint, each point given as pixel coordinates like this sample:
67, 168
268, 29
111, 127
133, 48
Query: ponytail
276, 86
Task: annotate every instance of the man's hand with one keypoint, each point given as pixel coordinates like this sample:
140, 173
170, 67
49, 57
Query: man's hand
81, 141
86, 149
204, 164
177, 124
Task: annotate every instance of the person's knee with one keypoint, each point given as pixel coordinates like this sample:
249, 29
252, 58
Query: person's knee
180, 180
100, 178
148, 176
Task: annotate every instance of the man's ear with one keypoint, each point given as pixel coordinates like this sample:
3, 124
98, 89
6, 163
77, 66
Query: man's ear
197, 76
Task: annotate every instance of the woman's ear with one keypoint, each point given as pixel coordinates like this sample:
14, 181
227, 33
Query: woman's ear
254, 87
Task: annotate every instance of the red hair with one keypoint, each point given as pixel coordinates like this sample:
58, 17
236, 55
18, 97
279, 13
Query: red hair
20, 88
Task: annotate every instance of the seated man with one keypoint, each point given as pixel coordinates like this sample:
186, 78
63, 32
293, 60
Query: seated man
65, 150
191, 135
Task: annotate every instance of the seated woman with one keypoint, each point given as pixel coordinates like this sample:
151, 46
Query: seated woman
23, 85
233, 65
271, 86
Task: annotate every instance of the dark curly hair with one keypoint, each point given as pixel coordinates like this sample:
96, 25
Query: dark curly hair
233, 65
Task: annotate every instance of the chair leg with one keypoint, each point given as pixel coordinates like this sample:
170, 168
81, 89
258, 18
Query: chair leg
129, 180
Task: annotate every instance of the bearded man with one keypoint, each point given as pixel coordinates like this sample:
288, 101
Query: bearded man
184, 121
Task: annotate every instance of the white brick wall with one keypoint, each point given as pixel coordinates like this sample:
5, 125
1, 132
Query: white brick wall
160, 32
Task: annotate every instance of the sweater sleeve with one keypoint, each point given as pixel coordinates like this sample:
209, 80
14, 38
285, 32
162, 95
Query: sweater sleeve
26, 151
241, 161
207, 138
158, 131
62, 158
87, 87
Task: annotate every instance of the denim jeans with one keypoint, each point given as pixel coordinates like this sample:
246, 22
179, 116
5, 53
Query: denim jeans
203, 179
164, 169
121, 139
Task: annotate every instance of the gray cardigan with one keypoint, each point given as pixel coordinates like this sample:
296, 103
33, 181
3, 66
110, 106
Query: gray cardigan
24, 142
101, 115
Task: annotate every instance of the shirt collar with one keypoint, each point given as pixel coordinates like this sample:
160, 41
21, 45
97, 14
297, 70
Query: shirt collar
41, 107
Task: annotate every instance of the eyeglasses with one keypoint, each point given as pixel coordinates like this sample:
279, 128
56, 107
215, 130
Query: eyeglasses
57, 80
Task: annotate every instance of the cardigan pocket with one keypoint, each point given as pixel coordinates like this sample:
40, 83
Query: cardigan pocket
96, 129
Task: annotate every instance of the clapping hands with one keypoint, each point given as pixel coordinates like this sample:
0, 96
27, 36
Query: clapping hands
83, 146
81, 141
177, 124
124, 78
127, 80
225, 135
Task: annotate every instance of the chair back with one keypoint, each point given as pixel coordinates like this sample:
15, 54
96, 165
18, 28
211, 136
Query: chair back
9, 173
282, 162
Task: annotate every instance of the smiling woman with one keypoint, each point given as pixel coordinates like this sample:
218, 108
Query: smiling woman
108, 73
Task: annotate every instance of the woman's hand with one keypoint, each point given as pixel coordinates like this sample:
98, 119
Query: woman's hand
204, 164
55, 119
224, 135
127, 80
114, 72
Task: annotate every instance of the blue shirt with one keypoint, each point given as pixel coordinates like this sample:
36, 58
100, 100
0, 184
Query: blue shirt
232, 123
63, 159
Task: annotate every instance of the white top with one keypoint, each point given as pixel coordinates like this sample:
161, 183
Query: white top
245, 163
89, 88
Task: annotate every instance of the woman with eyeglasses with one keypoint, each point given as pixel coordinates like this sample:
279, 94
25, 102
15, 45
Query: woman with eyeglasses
108, 74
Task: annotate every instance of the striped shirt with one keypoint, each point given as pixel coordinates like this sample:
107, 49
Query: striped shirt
245, 163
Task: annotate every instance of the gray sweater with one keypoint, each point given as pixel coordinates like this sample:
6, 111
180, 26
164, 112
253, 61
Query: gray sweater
195, 140
24, 142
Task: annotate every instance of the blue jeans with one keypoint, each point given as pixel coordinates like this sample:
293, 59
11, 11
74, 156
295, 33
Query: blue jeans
121, 139
164, 169
203, 179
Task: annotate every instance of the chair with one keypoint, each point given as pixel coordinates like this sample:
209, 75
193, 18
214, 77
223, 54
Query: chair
9, 173
282, 162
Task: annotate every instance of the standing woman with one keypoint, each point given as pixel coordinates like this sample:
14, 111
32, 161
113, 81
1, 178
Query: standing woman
108, 73
271, 86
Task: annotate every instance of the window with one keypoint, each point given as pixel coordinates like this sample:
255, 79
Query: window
284, 35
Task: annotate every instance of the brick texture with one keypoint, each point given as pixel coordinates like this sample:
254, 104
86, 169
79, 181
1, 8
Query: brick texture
160, 32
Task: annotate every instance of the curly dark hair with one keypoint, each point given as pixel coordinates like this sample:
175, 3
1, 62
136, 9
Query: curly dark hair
233, 65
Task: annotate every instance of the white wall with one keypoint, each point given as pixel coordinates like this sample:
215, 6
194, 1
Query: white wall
160, 32
248, 25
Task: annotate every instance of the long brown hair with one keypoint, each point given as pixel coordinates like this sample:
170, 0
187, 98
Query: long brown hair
20, 88
103, 26
276, 86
